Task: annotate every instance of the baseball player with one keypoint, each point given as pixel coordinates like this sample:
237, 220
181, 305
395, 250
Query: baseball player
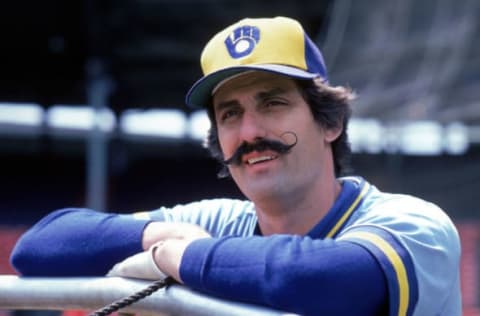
306, 240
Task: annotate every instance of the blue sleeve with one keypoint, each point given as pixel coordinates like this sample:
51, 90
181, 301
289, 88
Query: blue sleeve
291, 273
396, 263
77, 242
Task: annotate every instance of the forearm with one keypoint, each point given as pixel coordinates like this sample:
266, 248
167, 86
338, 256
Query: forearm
287, 272
77, 242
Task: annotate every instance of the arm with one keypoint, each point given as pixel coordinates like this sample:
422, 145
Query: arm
82, 242
292, 273
77, 242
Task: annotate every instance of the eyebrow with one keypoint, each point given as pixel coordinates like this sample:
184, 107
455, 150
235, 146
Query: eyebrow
258, 97
268, 94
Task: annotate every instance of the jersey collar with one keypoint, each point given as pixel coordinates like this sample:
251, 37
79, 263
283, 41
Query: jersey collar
353, 191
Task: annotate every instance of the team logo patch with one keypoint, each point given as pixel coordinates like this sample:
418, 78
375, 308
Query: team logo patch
242, 41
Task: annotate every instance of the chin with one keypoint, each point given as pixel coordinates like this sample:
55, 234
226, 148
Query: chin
264, 188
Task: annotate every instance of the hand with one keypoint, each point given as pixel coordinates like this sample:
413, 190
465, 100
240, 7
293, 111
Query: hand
139, 266
169, 251
165, 244
168, 255
161, 231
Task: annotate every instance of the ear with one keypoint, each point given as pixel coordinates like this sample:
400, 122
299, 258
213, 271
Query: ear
331, 134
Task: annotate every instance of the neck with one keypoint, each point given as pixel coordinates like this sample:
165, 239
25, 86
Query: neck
290, 215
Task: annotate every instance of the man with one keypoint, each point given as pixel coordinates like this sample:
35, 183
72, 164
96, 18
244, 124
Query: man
305, 241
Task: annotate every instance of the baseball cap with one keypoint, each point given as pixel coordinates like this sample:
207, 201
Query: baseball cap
279, 45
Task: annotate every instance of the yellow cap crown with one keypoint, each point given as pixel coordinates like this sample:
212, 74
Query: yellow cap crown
256, 41
277, 45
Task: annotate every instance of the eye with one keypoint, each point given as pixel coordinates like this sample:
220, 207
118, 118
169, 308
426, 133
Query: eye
274, 102
229, 114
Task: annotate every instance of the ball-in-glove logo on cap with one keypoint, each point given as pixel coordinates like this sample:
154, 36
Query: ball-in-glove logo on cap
242, 41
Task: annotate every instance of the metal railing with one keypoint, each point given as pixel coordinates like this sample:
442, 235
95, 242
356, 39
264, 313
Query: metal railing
89, 294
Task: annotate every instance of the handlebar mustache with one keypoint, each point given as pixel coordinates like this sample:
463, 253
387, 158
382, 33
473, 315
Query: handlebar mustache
260, 145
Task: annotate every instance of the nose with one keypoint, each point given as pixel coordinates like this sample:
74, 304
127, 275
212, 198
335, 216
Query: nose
252, 127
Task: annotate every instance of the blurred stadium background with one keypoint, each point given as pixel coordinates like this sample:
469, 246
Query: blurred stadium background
92, 111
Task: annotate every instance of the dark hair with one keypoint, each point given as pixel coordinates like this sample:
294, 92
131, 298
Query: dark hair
330, 107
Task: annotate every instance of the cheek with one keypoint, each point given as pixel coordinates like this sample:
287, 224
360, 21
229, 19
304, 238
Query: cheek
226, 144
313, 137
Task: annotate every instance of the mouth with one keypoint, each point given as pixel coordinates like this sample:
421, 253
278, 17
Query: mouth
260, 159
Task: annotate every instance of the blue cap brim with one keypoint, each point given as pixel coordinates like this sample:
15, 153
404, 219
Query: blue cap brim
200, 93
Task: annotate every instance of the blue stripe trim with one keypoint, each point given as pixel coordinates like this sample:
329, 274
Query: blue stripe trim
358, 198
348, 201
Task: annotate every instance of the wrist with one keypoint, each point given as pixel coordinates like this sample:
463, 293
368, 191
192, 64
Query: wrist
147, 236
168, 254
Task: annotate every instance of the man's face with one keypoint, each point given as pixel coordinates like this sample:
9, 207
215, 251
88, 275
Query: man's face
261, 105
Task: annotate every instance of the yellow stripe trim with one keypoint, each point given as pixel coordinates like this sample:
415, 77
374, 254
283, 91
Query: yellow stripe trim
344, 217
397, 263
